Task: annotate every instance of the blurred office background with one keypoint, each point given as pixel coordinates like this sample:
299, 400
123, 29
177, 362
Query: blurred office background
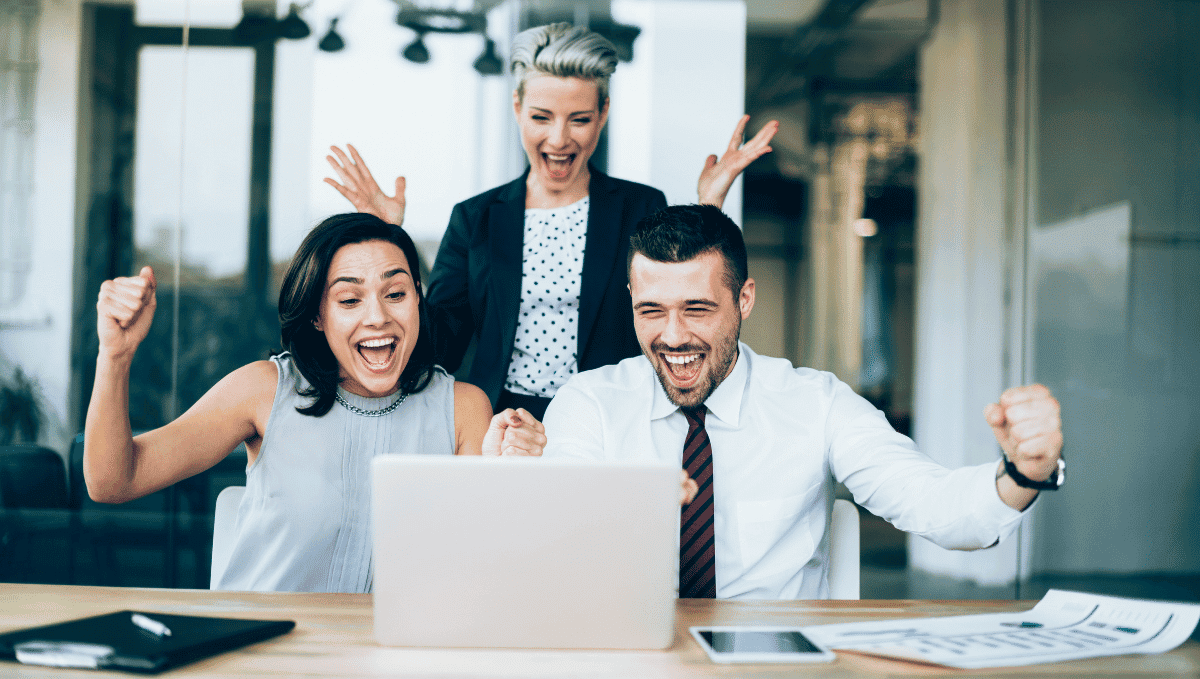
965, 195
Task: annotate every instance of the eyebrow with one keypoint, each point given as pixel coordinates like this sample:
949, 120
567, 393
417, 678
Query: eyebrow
689, 302
590, 111
358, 281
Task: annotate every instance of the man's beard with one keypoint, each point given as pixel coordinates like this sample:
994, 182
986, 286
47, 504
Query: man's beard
718, 360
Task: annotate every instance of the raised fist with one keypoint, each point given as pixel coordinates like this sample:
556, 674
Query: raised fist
1027, 426
124, 312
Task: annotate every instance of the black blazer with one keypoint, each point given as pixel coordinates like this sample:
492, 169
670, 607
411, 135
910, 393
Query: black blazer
475, 286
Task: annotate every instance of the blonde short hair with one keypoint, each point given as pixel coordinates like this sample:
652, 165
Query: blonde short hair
565, 51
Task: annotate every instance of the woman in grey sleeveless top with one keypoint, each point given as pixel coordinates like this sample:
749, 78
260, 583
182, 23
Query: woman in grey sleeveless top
357, 380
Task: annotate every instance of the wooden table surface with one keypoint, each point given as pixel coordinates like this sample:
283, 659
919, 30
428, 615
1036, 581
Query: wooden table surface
333, 638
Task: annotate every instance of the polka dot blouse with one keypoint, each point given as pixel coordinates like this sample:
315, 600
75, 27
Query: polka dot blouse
544, 350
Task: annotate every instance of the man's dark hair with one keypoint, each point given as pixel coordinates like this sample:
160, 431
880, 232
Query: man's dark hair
300, 302
680, 233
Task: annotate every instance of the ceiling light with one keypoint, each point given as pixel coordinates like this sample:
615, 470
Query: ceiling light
865, 227
416, 51
488, 63
332, 42
292, 26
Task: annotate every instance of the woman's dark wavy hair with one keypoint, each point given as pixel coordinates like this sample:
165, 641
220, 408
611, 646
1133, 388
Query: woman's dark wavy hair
300, 302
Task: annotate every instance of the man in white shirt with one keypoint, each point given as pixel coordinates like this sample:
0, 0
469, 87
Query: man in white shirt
765, 441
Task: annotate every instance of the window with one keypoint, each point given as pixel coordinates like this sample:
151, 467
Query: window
18, 77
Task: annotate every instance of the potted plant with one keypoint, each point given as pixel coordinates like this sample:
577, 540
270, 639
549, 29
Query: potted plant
20, 413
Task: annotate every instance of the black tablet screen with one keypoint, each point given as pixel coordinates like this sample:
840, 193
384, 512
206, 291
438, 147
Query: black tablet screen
758, 642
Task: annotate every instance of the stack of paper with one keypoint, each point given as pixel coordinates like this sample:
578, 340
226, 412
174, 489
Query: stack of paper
1062, 626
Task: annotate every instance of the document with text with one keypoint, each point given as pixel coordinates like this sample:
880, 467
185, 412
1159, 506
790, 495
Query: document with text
1062, 626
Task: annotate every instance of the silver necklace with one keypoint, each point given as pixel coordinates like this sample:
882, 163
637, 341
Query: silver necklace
370, 413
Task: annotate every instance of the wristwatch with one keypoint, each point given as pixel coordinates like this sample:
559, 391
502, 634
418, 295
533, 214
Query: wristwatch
1057, 477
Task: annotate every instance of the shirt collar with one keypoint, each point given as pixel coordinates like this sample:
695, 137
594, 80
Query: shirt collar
725, 402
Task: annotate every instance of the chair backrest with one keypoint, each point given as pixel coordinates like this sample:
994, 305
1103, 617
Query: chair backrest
843, 551
32, 477
224, 518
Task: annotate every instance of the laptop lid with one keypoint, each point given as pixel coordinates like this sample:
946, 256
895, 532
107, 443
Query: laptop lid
524, 552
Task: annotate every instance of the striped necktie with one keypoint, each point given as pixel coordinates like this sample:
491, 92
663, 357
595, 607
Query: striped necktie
697, 543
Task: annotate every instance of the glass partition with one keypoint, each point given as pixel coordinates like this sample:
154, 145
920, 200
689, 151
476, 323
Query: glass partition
1112, 274
202, 128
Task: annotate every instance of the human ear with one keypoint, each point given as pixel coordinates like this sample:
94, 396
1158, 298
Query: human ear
746, 298
604, 113
517, 104
317, 324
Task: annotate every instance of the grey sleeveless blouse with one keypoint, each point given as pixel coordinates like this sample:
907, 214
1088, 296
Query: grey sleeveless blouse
304, 524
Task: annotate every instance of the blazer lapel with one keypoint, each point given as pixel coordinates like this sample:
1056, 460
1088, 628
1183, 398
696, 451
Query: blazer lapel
506, 238
602, 244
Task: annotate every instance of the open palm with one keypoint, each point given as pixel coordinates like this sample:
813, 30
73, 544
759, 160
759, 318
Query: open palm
359, 187
718, 174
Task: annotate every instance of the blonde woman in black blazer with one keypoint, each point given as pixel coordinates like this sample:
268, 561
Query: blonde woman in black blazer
561, 105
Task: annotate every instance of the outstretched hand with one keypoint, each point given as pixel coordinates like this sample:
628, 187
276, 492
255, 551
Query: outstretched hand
124, 311
718, 174
1027, 425
359, 187
514, 432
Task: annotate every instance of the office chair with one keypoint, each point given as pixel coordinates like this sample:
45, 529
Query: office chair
224, 518
843, 551
32, 477
33, 514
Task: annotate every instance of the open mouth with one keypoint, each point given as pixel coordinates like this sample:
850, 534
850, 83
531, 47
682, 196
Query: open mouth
558, 165
684, 369
377, 352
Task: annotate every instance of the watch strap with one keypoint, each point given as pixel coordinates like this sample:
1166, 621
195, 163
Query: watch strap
1057, 477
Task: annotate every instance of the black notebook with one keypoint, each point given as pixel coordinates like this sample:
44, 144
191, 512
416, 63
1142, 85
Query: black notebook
134, 641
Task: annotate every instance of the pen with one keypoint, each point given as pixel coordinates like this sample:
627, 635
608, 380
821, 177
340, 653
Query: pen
152, 626
1026, 625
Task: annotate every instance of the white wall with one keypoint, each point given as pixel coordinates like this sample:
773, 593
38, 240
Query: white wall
415, 120
961, 258
680, 98
37, 334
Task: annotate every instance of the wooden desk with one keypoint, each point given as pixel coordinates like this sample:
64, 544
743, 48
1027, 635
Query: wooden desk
333, 638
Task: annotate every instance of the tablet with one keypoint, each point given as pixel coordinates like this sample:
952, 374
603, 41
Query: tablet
759, 645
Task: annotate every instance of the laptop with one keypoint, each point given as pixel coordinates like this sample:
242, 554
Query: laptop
524, 552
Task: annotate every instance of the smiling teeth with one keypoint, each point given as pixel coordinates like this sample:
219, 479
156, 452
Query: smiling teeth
551, 156
382, 342
681, 360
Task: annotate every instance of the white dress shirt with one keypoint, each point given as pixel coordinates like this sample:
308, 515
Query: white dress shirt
780, 438
545, 347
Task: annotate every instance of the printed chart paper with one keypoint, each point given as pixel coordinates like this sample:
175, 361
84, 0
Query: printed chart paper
1062, 626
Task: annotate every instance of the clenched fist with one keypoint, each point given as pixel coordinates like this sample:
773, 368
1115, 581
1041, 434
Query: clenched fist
124, 312
1027, 426
514, 432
